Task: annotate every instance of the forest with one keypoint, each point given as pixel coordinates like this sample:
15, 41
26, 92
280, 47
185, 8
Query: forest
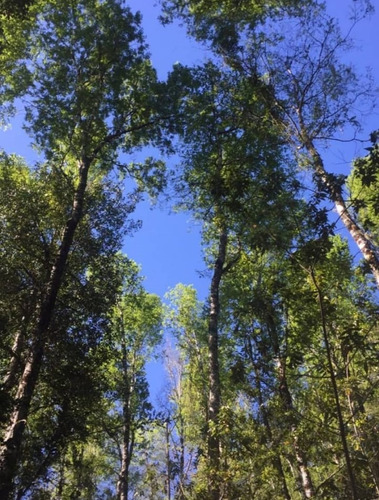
272, 381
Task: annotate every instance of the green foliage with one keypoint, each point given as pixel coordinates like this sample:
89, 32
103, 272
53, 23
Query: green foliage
185, 319
363, 185
225, 23
15, 8
90, 62
270, 321
289, 292
34, 206
235, 167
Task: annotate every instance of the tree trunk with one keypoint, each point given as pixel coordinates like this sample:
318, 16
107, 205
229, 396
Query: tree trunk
16, 366
305, 478
368, 249
175, 370
10, 448
341, 424
182, 452
10, 378
123, 482
276, 460
214, 396
168, 461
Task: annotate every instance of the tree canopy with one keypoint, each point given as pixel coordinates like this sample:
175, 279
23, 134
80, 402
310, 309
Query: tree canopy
272, 380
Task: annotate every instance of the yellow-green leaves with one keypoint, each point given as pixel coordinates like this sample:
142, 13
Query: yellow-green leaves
363, 183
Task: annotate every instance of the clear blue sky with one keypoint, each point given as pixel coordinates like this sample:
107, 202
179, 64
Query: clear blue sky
168, 246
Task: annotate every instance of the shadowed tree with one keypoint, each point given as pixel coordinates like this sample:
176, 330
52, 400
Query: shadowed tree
93, 94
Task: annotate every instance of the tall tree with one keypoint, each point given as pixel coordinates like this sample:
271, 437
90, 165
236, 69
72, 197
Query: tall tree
32, 217
181, 450
92, 94
260, 331
137, 325
186, 320
234, 170
281, 363
296, 56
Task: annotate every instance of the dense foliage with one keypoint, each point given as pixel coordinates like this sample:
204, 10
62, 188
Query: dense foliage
272, 382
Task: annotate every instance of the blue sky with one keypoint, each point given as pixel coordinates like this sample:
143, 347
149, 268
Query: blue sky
168, 246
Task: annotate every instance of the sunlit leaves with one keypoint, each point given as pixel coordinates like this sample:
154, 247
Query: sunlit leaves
363, 184
91, 76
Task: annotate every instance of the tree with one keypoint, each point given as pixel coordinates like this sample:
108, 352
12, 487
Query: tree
233, 170
280, 367
343, 328
19, 8
32, 213
295, 56
186, 320
317, 94
274, 382
362, 185
109, 401
259, 322
93, 92
181, 402
137, 326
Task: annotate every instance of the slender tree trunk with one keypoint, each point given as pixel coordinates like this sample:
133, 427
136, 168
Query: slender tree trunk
10, 448
16, 365
276, 460
168, 461
300, 456
180, 429
341, 424
123, 481
175, 370
368, 249
214, 396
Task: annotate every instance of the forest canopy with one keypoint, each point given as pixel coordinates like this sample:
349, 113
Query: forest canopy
271, 382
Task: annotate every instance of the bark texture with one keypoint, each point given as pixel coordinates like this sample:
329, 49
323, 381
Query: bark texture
123, 481
366, 246
10, 378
